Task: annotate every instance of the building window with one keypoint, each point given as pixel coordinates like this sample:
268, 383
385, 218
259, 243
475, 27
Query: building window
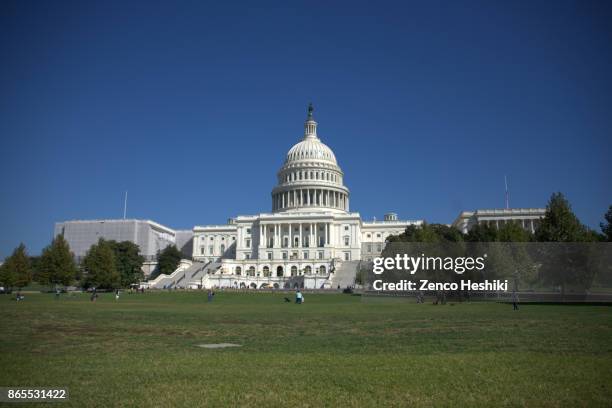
305, 254
238, 270
248, 243
284, 255
322, 270
247, 256
369, 235
379, 247
346, 228
251, 271
222, 238
201, 250
222, 249
211, 238
210, 249
294, 270
248, 230
377, 235
369, 248
307, 270
320, 254
269, 255
266, 271
346, 240
347, 256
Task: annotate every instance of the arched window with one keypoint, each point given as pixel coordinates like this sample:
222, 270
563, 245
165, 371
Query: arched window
294, 270
322, 269
279, 271
251, 271
307, 270
266, 271
238, 271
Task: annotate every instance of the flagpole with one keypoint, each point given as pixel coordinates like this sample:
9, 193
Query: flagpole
507, 198
125, 205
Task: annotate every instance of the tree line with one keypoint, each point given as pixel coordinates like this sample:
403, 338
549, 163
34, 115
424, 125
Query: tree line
108, 264
572, 263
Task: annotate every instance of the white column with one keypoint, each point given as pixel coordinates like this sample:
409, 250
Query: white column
277, 235
312, 235
326, 241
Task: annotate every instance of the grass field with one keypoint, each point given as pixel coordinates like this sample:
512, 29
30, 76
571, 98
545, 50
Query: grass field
335, 350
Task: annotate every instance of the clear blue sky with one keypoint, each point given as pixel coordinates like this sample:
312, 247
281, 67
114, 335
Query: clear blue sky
192, 107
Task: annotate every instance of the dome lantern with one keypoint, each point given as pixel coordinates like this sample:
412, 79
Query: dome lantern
310, 126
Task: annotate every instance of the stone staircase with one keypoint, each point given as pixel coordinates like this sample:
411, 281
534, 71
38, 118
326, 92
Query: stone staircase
345, 274
180, 278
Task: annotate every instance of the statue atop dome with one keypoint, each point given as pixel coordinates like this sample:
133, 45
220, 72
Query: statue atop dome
310, 110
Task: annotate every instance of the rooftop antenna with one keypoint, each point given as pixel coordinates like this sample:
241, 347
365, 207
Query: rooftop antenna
507, 197
125, 205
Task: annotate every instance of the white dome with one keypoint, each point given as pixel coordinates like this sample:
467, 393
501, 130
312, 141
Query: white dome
311, 148
310, 179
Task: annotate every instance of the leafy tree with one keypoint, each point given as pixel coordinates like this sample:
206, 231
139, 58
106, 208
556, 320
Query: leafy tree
431, 233
607, 227
566, 264
16, 270
482, 233
100, 265
56, 264
560, 224
128, 262
513, 232
35, 264
167, 260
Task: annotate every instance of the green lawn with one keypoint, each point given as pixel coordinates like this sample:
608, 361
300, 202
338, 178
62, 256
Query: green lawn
335, 350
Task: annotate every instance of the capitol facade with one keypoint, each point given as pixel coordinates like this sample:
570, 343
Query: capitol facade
310, 239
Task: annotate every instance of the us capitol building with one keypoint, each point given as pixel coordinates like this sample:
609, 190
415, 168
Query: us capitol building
310, 239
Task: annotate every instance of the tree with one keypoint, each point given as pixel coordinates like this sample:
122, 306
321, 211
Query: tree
560, 224
35, 264
56, 265
607, 228
513, 232
566, 264
168, 260
100, 265
128, 262
16, 270
482, 233
431, 233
